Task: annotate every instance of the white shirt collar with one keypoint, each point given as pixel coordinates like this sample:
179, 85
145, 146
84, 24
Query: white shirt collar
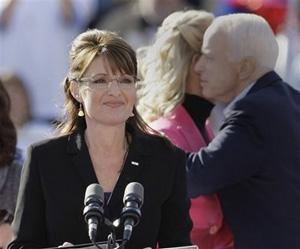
237, 98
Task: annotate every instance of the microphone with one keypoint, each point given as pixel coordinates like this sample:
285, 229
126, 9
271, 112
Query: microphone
93, 211
131, 213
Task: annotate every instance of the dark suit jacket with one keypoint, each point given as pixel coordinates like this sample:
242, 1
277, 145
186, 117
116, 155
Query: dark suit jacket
254, 164
55, 177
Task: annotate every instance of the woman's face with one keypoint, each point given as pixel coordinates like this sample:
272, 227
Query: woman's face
107, 98
193, 85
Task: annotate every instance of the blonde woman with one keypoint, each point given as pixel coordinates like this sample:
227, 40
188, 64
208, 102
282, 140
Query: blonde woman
171, 101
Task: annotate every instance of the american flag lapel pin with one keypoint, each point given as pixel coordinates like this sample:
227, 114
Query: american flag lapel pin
134, 163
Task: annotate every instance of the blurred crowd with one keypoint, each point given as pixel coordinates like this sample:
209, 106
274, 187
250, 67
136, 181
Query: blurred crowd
35, 37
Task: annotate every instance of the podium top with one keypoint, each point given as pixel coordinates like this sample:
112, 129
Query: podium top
105, 247
181, 247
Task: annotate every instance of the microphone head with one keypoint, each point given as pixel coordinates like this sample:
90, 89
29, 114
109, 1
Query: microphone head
131, 213
94, 192
134, 191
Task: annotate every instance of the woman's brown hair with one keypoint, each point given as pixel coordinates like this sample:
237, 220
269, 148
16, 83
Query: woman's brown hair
8, 136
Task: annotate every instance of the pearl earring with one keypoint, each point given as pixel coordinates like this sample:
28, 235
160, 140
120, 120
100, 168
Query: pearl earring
80, 111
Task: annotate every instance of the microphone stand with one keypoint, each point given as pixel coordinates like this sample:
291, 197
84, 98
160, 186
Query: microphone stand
111, 239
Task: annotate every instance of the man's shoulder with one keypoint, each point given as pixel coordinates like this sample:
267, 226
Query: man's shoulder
273, 102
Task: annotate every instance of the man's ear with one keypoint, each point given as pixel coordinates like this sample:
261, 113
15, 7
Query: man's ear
247, 68
74, 90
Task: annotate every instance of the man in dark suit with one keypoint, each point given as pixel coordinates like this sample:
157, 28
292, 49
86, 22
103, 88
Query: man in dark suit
254, 161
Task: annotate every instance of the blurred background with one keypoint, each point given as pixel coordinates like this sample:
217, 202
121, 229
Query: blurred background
35, 37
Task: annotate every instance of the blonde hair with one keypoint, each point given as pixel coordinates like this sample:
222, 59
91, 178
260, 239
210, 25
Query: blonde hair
164, 65
84, 49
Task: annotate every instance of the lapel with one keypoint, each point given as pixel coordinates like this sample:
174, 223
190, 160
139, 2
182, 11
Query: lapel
81, 158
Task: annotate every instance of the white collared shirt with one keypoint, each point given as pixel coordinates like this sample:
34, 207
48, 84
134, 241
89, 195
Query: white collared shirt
221, 111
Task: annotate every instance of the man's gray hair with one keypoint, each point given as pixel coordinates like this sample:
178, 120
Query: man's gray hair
249, 35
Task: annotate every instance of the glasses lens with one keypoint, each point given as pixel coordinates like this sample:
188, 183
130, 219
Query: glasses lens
99, 81
126, 81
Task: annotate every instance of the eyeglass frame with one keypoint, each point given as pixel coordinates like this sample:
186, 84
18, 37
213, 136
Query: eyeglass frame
88, 80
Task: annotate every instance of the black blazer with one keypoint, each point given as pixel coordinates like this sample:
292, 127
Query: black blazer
55, 177
254, 164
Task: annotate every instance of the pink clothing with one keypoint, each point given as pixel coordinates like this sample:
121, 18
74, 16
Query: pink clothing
209, 231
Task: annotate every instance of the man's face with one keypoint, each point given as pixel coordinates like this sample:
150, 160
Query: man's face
218, 75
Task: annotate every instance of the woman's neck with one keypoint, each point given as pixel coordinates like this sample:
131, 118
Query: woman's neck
106, 139
108, 149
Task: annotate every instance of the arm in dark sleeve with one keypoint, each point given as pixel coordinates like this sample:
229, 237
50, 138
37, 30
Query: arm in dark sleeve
29, 226
233, 155
176, 223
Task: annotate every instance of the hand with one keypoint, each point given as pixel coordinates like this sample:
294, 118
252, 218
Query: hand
5, 235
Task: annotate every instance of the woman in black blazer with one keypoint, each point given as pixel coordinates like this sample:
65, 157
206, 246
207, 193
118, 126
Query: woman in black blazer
103, 140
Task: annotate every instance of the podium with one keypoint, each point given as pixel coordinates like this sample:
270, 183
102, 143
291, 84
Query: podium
104, 246
181, 247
